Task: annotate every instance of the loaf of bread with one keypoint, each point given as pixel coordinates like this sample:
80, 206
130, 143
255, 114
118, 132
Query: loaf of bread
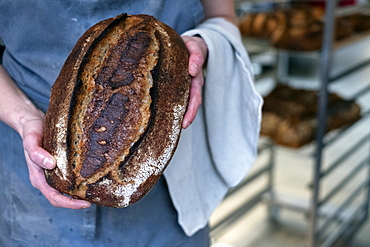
289, 115
359, 22
300, 27
116, 110
262, 24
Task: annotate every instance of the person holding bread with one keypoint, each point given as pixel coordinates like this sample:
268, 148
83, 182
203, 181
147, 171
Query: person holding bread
215, 152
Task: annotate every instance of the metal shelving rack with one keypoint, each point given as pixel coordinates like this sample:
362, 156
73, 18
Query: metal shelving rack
341, 225
348, 226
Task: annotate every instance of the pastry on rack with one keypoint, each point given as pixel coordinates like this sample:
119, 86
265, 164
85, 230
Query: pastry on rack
245, 25
306, 37
299, 28
359, 22
289, 115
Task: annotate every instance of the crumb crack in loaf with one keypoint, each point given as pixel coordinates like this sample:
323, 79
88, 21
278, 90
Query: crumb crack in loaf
116, 110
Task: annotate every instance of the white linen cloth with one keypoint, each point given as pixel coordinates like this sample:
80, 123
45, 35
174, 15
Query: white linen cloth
218, 149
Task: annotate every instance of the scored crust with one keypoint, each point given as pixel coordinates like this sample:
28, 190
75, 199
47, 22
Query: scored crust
116, 110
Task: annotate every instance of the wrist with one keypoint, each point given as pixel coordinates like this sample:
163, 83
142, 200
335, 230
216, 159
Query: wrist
20, 114
16, 110
29, 115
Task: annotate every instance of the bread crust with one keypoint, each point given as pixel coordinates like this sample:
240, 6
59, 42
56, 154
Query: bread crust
116, 110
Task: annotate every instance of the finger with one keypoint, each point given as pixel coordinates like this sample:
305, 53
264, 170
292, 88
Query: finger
196, 59
195, 100
59, 200
38, 155
55, 198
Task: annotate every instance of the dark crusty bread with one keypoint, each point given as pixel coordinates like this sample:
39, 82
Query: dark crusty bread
289, 115
116, 110
299, 28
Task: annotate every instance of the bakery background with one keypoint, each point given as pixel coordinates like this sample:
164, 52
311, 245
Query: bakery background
303, 191
310, 183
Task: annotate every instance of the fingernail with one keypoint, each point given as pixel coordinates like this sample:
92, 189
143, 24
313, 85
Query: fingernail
86, 205
48, 162
193, 69
186, 124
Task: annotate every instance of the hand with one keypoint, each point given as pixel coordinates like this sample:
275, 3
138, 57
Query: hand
198, 55
18, 112
37, 159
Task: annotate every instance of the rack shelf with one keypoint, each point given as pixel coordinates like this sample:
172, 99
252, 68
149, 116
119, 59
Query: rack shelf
330, 220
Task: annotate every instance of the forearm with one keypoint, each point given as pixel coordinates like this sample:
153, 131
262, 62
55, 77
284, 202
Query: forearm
220, 8
15, 107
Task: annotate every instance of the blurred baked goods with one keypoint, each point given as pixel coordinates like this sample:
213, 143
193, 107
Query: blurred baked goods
299, 28
289, 115
358, 22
